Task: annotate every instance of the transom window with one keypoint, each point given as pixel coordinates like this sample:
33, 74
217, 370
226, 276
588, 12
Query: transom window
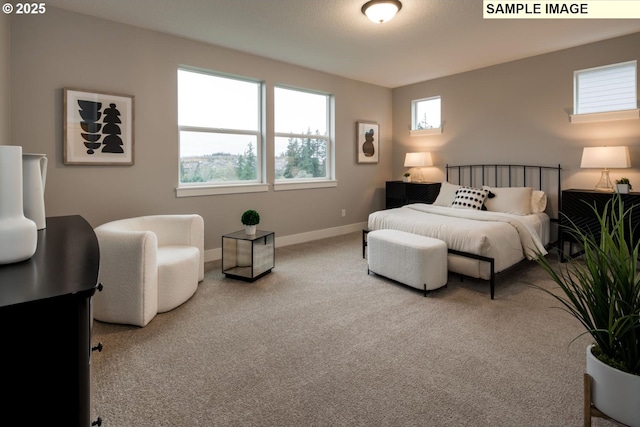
425, 113
219, 120
607, 88
302, 148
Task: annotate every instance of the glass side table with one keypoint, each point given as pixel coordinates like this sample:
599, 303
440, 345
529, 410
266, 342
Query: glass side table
248, 257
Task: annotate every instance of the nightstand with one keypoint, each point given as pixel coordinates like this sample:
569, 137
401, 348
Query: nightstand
400, 193
577, 207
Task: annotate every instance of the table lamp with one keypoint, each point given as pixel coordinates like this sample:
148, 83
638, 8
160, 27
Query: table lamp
605, 158
418, 160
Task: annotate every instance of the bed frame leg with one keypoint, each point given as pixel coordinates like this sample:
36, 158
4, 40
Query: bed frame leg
492, 284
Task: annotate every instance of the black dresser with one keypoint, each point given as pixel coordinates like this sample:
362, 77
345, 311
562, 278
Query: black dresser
400, 193
45, 316
577, 208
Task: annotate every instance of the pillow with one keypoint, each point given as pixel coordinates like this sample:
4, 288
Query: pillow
538, 201
511, 200
447, 194
489, 196
470, 198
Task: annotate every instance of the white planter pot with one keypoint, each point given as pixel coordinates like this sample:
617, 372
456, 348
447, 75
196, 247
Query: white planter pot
406, 179
622, 188
250, 230
613, 392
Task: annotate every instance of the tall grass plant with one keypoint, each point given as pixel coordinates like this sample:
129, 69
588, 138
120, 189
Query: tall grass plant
601, 289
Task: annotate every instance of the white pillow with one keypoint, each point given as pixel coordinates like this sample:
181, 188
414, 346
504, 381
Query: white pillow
538, 201
470, 198
447, 194
511, 200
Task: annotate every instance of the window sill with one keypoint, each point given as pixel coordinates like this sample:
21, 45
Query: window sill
603, 117
192, 191
425, 132
303, 185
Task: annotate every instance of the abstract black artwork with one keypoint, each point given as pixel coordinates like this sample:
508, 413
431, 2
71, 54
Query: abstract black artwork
98, 128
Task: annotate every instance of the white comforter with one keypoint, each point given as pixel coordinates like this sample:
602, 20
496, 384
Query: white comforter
506, 238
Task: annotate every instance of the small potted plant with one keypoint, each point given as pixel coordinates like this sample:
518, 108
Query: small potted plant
602, 292
623, 185
250, 219
406, 177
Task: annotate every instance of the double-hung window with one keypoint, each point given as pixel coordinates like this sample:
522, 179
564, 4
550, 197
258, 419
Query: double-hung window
221, 141
606, 93
425, 116
303, 143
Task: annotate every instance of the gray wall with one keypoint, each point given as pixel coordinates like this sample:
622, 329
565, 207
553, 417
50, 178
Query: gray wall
5, 80
63, 49
517, 112
510, 113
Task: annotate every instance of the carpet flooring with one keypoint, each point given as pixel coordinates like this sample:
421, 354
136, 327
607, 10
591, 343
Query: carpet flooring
319, 342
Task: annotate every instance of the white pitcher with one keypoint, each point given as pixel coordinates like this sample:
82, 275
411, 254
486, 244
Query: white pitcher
18, 235
34, 173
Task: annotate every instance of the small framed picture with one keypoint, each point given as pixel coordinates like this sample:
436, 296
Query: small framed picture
98, 128
367, 142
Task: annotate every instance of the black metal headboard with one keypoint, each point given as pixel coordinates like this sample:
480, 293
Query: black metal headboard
544, 178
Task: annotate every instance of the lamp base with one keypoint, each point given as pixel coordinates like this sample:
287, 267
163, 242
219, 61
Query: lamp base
605, 183
418, 175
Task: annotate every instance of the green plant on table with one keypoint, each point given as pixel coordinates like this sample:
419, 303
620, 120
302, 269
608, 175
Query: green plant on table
250, 217
624, 180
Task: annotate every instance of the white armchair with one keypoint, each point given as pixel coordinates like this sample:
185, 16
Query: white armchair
148, 265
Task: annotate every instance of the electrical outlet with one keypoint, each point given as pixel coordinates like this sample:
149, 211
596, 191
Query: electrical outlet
344, 212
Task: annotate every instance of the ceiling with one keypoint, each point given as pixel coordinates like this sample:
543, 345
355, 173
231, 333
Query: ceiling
426, 40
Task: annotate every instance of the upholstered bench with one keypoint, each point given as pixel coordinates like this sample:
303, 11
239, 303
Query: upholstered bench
411, 259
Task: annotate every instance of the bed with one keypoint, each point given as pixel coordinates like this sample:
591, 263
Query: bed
491, 217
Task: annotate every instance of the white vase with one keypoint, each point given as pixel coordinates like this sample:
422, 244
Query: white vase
18, 234
613, 392
250, 230
34, 176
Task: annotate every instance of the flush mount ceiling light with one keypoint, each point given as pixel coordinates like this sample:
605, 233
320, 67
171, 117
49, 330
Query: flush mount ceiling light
380, 11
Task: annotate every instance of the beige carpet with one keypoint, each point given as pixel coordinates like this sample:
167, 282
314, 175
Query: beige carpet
318, 342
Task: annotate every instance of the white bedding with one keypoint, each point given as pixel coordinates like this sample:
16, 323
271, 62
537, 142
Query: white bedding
506, 238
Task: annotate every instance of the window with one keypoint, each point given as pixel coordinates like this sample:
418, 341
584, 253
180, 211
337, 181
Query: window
606, 89
425, 116
303, 143
219, 120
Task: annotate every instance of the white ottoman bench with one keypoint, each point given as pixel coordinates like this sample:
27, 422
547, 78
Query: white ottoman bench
411, 259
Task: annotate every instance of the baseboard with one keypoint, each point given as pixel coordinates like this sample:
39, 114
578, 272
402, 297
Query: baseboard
216, 253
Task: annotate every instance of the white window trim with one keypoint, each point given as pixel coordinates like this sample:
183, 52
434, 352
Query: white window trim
281, 185
214, 188
605, 117
208, 190
631, 114
426, 132
285, 184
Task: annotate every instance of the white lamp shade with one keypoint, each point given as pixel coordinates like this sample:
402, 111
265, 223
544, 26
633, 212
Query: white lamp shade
606, 157
417, 160
380, 11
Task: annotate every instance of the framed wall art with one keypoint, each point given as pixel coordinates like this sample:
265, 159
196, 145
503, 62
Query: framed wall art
367, 142
98, 128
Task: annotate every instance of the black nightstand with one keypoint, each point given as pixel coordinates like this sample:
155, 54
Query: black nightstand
400, 193
577, 207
